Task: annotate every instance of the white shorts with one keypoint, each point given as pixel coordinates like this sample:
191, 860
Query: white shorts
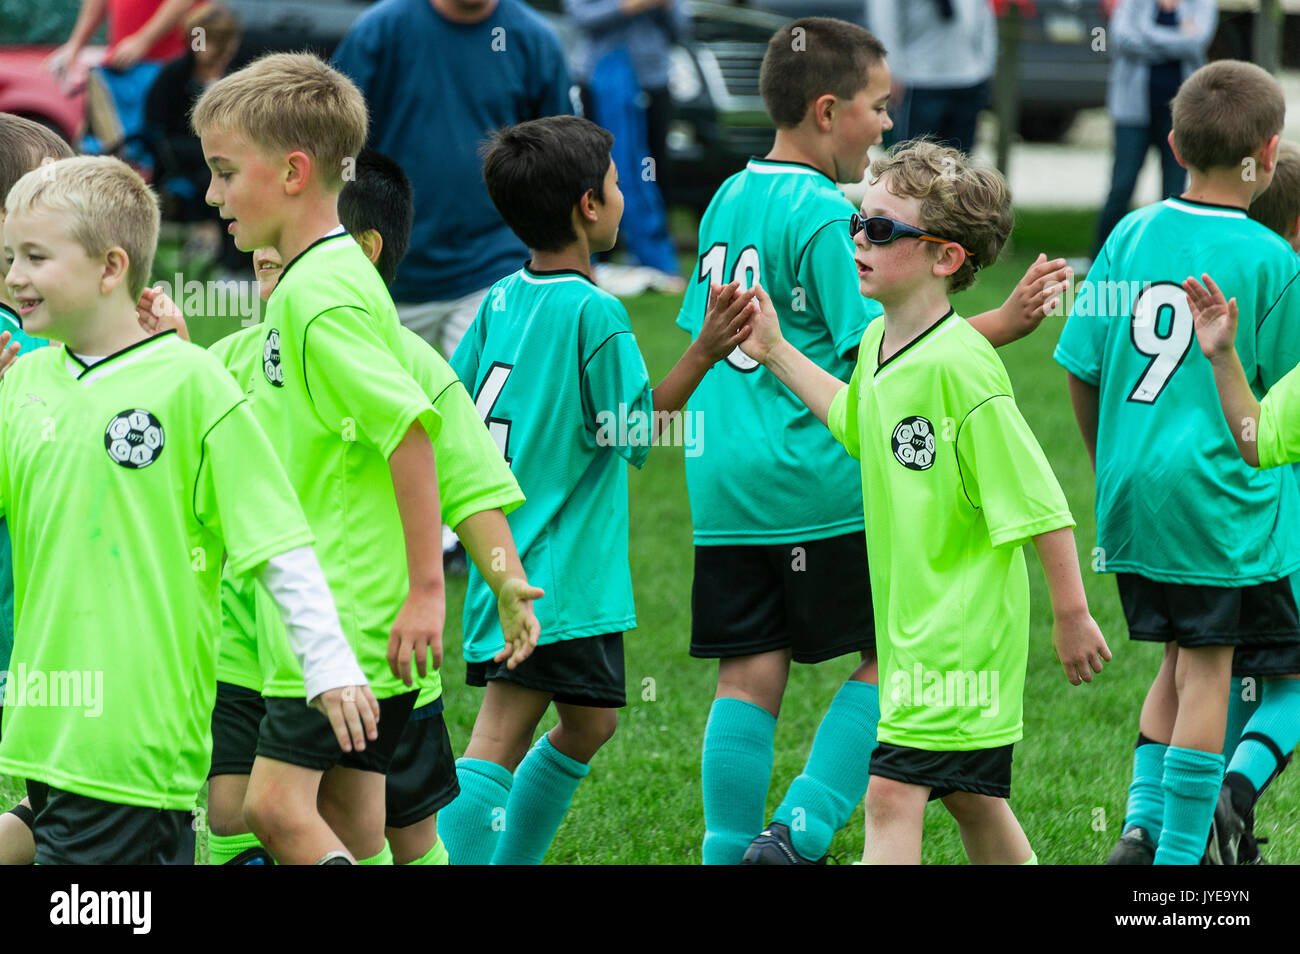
442, 323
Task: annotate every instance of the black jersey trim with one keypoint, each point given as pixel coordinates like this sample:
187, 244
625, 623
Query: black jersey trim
87, 368
881, 365
203, 454
1280, 296
582, 372
551, 272
18, 319
957, 438
792, 162
320, 241
1209, 205
798, 262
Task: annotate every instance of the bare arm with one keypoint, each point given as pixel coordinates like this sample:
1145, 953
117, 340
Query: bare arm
1086, 399
1216, 332
812, 385
490, 544
418, 628
1035, 295
1076, 639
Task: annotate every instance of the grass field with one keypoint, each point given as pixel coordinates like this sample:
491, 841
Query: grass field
641, 802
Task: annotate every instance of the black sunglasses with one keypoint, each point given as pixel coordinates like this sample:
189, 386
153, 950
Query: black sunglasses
882, 231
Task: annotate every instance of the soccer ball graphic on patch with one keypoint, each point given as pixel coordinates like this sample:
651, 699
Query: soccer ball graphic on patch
271, 359
134, 438
913, 443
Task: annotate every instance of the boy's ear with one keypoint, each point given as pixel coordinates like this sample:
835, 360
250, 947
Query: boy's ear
950, 259
116, 265
823, 111
1268, 157
298, 169
1174, 149
1292, 237
372, 243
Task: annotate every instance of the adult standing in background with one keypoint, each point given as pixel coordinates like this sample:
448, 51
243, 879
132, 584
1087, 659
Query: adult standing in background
438, 77
942, 53
1154, 46
142, 36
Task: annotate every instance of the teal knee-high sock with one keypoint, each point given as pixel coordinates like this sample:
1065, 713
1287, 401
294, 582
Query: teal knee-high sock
735, 771
544, 785
471, 825
1146, 796
1240, 711
835, 778
1269, 737
1191, 783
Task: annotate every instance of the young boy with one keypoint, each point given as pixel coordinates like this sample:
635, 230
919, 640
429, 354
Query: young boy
557, 376
151, 452
778, 555
23, 146
1202, 545
930, 414
353, 430
475, 487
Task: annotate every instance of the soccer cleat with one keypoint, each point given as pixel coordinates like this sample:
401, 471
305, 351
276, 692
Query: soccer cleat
773, 847
1248, 852
257, 855
1135, 847
1225, 832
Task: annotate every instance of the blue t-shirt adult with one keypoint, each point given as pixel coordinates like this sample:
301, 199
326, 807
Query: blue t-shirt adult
436, 89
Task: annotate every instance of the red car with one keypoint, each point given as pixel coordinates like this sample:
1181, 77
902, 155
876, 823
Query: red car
28, 89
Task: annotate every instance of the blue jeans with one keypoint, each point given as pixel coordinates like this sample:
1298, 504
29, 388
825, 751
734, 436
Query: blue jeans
946, 114
1131, 145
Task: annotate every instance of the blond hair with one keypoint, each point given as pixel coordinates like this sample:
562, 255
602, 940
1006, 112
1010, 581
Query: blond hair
105, 204
1224, 112
1278, 206
284, 102
23, 145
961, 202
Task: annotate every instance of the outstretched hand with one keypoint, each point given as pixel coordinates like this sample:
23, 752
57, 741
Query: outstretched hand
1214, 318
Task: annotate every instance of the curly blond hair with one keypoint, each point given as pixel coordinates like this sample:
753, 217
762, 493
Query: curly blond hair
962, 202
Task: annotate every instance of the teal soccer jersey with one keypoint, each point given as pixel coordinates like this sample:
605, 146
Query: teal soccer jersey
555, 372
11, 323
767, 471
1175, 501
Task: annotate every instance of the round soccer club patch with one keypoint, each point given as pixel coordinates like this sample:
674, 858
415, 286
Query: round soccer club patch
913, 443
134, 438
271, 359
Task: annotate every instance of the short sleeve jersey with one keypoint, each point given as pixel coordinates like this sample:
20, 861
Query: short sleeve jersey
336, 399
158, 467
1175, 501
1279, 422
237, 658
10, 322
954, 483
785, 225
557, 376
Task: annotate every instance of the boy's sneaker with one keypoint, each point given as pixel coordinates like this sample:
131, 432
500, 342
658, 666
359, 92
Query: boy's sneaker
1135, 847
773, 847
1225, 831
256, 855
1248, 852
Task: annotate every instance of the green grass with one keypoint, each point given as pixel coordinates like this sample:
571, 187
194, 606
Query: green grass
641, 802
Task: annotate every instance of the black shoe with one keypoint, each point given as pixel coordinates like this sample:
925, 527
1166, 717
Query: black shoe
1134, 847
256, 855
1248, 852
1225, 832
455, 562
773, 847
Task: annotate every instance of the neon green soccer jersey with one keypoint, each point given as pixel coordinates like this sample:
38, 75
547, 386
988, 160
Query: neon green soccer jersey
124, 483
1175, 501
786, 225
237, 659
335, 399
954, 483
556, 373
1279, 423
472, 475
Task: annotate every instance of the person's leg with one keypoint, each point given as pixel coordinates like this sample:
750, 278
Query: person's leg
351, 801
659, 114
1146, 799
17, 843
1173, 177
736, 765
1269, 738
472, 824
546, 780
1243, 702
420, 782
989, 829
236, 719
1130, 151
895, 813
417, 844
280, 809
228, 833
1194, 761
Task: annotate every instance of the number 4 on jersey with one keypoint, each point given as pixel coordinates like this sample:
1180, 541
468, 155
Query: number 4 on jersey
713, 265
493, 384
